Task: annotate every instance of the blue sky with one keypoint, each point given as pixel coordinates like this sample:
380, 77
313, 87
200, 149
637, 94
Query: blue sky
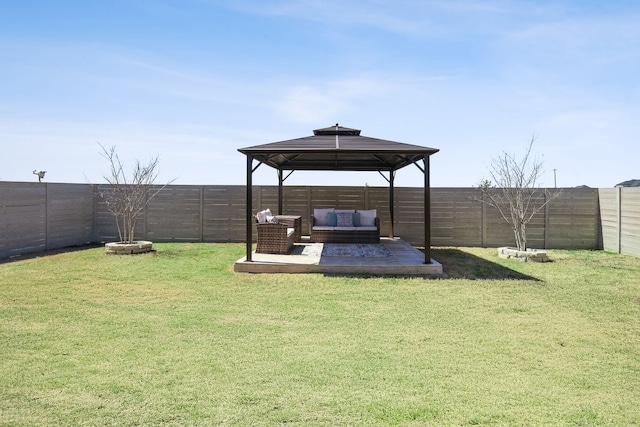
194, 80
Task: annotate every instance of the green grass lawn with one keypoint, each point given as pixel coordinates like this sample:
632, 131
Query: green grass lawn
176, 337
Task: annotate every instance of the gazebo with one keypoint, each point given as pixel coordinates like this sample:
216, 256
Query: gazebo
338, 148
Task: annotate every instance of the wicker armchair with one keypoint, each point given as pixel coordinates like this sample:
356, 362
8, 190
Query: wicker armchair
275, 238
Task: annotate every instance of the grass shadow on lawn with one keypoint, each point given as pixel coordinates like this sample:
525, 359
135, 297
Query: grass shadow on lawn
50, 252
459, 264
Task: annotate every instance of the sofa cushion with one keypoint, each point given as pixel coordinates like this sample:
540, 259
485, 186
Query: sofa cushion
330, 228
350, 211
344, 219
323, 228
320, 214
368, 217
366, 228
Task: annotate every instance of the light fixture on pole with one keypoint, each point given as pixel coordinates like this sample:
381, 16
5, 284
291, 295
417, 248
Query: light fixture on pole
39, 174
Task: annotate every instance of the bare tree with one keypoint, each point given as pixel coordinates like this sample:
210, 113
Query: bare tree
513, 190
128, 195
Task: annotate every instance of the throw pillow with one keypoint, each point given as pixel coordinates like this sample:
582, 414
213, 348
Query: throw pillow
356, 219
332, 219
264, 216
368, 217
345, 219
268, 215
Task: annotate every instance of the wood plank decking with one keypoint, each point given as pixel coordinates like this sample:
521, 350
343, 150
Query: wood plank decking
404, 260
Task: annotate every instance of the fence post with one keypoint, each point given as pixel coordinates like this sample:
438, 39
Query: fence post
258, 196
201, 213
46, 216
94, 218
146, 218
546, 220
366, 196
619, 219
483, 222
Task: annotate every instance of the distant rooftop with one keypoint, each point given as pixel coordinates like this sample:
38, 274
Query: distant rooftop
629, 183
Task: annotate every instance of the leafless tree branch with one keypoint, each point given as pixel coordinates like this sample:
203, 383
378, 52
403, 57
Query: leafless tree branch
128, 195
513, 191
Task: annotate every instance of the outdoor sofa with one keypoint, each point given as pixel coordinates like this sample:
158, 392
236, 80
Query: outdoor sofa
330, 225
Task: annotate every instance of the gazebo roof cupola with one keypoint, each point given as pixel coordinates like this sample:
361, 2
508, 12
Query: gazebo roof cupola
337, 130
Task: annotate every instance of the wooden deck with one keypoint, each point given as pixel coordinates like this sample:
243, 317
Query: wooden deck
403, 260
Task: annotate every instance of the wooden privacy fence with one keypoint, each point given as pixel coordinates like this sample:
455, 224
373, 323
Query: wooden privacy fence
620, 219
36, 217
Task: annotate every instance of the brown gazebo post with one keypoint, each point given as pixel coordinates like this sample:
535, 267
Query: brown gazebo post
392, 176
427, 212
249, 207
280, 191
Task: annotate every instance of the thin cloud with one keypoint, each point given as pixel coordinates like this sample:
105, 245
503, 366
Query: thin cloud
414, 18
329, 100
596, 37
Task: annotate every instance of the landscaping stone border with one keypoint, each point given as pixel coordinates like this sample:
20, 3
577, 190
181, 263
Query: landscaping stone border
530, 255
120, 248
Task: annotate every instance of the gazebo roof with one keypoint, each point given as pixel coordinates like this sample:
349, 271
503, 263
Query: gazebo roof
338, 148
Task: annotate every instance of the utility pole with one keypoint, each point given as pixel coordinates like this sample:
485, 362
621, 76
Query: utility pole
554, 179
